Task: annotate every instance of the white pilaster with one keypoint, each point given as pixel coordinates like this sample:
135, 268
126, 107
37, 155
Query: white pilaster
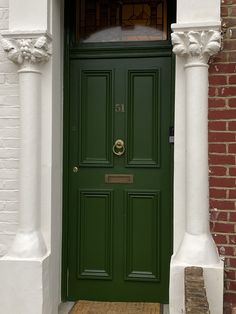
28, 54
195, 44
24, 269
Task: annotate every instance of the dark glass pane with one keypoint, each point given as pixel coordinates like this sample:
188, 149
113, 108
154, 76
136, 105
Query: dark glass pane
117, 20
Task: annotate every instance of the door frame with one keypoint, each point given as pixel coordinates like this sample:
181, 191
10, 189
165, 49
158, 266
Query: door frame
136, 50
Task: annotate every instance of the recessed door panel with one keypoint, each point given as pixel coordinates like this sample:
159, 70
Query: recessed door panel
95, 234
142, 235
95, 118
143, 118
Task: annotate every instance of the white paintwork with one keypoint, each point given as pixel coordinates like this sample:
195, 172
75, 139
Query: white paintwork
28, 53
191, 11
27, 15
34, 16
197, 248
64, 308
23, 289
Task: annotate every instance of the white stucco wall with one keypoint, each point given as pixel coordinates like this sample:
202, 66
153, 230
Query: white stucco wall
9, 142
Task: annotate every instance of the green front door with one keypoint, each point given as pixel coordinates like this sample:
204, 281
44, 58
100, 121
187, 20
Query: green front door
119, 208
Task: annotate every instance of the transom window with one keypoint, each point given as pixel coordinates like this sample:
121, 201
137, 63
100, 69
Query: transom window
121, 20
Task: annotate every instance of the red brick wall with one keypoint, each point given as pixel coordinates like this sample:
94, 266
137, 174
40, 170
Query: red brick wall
222, 151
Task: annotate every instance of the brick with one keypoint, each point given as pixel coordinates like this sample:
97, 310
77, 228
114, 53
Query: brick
12, 206
222, 182
230, 297
232, 285
212, 91
217, 148
232, 79
215, 159
217, 80
226, 91
8, 227
9, 111
8, 173
10, 217
232, 171
216, 102
224, 11
9, 122
221, 137
232, 148
230, 274
232, 11
220, 204
232, 194
232, 55
9, 133
226, 250
232, 102
9, 153
217, 193
222, 114
218, 216
232, 125
232, 216
232, 239
223, 68
229, 45
217, 125
218, 171
222, 56
220, 238
224, 227
11, 78
228, 2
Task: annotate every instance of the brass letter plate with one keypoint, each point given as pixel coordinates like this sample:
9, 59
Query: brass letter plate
119, 178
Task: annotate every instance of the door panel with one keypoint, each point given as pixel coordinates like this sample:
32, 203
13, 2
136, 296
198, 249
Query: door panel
143, 115
95, 110
142, 236
119, 244
95, 234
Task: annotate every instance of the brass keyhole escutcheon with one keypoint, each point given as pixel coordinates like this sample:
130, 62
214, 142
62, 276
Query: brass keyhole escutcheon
119, 147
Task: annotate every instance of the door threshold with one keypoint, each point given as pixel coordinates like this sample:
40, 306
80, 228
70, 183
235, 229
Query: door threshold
66, 307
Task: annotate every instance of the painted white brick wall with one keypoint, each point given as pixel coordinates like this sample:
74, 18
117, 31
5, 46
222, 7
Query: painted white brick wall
9, 142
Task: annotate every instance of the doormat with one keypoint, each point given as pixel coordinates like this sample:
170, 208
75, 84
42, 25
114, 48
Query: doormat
92, 307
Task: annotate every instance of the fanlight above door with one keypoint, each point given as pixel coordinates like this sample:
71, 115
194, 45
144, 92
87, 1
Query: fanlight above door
117, 21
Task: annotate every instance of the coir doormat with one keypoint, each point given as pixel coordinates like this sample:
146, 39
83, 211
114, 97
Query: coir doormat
92, 307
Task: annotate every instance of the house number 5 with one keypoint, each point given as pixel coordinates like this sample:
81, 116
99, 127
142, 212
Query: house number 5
119, 108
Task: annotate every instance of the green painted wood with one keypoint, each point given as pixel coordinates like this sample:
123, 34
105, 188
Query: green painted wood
94, 234
95, 110
143, 91
119, 235
142, 248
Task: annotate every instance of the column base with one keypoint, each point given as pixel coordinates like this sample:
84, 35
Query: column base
27, 245
24, 286
197, 250
213, 275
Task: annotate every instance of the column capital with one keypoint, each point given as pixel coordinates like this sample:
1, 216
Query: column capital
28, 49
196, 45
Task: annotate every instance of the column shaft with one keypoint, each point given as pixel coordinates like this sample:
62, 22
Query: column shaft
30, 94
197, 203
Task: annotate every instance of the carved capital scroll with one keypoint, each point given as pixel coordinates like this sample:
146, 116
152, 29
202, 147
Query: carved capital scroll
196, 45
27, 51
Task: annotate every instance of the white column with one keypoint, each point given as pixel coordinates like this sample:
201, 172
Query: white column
195, 45
28, 54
